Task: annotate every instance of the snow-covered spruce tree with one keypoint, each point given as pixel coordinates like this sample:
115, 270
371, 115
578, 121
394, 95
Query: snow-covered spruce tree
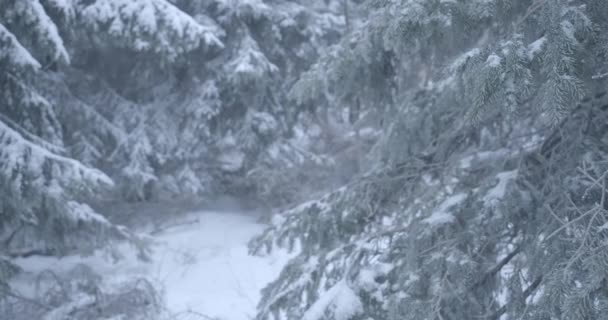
122, 50
157, 95
252, 130
49, 121
203, 113
488, 195
41, 187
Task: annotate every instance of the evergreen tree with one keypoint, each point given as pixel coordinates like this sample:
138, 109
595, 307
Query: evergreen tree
486, 197
40, 184
143, 99
43, 189
214, 109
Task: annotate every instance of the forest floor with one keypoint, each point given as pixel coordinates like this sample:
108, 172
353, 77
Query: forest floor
201, 263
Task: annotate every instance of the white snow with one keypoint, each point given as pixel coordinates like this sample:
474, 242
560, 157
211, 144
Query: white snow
36, 18
493, 61
498, 191
568, 30
461, 60
151, 25
14, 51
250, 61
442, 215
81, 212
66, 7
203, 266
536, 47
15, 147
231, 160
222, 280
367, 277
341, 301
467, 162
264, 122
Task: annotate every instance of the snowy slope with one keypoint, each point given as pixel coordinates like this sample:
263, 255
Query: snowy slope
203, 267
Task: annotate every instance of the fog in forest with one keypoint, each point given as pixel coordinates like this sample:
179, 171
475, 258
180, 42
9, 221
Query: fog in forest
303, 159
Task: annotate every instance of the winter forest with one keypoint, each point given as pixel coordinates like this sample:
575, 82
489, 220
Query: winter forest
303, 159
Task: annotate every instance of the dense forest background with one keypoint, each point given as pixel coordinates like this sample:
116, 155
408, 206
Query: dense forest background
425, 159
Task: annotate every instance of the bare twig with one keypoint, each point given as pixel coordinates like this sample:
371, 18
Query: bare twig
498, 267
161, 229
592, 210
529, 290
193, 313
579, 251
548, 207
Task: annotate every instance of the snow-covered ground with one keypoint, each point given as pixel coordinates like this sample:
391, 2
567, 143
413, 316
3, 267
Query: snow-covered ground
203, 266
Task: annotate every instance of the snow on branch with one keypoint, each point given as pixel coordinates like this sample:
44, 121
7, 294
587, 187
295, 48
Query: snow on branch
18, 155
30, 14
600, 76
250, 61
340, 300
150, 25
13, 52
